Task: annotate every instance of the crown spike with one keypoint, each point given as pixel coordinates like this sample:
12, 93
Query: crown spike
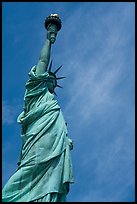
59, 86
50, 66
58, 69
54, 93
58, 78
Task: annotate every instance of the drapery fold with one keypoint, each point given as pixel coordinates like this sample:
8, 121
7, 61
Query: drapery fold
45, 167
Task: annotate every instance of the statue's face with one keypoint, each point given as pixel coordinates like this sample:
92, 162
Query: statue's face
51, 84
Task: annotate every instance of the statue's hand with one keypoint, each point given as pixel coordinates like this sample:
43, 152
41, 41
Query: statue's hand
52, 33
70, 143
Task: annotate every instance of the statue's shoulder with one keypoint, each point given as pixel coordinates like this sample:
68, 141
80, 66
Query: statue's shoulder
35, 82
34, 76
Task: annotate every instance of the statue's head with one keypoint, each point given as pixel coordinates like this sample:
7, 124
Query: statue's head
51, 82
52, 79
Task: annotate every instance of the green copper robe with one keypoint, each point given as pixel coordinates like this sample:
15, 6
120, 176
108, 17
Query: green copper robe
45, 168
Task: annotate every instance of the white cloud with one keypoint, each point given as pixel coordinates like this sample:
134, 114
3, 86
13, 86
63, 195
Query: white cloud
9, 112
94, 91
94, 78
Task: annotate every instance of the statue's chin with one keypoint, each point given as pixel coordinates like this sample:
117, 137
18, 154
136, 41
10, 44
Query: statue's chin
52, 40
51, 91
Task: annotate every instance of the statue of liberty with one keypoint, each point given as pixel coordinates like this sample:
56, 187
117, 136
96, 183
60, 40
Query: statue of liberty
44, 170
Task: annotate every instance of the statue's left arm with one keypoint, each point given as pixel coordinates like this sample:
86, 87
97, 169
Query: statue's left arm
70, 143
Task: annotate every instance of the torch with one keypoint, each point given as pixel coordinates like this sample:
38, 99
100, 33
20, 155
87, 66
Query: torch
53, 25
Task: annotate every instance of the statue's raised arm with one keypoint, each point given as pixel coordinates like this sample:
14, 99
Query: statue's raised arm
53, 25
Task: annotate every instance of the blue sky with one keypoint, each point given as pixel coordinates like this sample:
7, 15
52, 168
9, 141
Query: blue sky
96, 46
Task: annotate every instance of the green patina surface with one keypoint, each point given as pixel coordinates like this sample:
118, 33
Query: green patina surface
45, 168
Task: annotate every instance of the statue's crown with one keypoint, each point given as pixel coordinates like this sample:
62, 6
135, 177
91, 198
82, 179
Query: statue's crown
54, 74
